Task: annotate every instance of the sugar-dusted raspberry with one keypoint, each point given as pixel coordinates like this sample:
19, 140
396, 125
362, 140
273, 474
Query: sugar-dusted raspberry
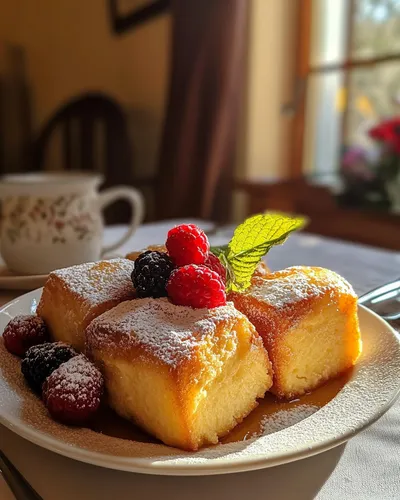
41, 360
72, 393
22, 332
215, 264
187, 244
151, 273
196, 286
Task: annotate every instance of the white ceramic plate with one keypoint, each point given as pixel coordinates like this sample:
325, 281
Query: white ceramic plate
371, 390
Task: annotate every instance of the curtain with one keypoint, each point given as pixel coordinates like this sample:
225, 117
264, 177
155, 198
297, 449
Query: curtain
197, 154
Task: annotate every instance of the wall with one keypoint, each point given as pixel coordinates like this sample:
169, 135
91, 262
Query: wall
264, 144
271, 59
70, 49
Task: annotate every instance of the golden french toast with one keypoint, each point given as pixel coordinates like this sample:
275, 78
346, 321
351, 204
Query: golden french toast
261, 270
187, 376
307, 317
155, 248
73, 296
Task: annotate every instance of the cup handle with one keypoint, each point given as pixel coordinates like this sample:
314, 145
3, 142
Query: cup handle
135, 199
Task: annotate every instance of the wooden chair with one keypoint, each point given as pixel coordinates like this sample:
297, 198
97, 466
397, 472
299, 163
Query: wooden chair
93, 132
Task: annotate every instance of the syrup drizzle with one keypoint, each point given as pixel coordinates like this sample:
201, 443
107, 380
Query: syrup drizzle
109, 423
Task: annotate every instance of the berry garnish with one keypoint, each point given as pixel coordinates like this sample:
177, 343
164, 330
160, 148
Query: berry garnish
41, 360
215, 264
151, 273
196, 286
22, 332
187, 244
72, 393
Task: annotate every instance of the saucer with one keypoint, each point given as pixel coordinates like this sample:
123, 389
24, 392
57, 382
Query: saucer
12, 281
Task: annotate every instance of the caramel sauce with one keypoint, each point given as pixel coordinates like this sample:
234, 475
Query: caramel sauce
109, 423
252, 425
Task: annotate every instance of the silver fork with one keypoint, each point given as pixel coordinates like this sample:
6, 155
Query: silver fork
384, 300
20, 487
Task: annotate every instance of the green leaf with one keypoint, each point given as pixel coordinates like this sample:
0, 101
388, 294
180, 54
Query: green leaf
251, 241
217, 251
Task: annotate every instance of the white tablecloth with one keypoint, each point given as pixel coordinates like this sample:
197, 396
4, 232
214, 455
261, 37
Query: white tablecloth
366, 468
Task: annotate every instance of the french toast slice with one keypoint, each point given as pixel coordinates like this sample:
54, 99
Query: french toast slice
73, 296
307, 317
187, 376
154, 248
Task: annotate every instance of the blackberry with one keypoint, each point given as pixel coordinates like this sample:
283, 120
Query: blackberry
151, 274
41, 360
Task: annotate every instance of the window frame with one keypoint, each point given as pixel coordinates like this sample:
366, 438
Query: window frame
304, 69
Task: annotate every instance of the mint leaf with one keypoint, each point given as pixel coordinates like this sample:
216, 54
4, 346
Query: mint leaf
217, 251
251, 241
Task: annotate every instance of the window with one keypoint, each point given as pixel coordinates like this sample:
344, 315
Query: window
352, 75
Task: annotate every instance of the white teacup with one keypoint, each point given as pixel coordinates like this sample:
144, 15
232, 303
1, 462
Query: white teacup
54, 220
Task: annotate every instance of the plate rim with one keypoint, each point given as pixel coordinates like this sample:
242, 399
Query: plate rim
210, 467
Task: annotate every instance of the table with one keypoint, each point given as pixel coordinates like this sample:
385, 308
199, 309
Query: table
366, 468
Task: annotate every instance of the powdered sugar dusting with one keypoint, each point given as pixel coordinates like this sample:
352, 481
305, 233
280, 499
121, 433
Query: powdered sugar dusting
77, 380
372, 388
24, 323
165, 330
98, 282
298, 283
286, 418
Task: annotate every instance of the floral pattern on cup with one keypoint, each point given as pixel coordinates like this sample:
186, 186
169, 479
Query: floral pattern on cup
61, 218
52, 220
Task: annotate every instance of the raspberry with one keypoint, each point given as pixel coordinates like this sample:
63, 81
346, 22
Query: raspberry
196, 286
41, 360
72, 393
187, 244
23, 332
151, 273
216, 265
